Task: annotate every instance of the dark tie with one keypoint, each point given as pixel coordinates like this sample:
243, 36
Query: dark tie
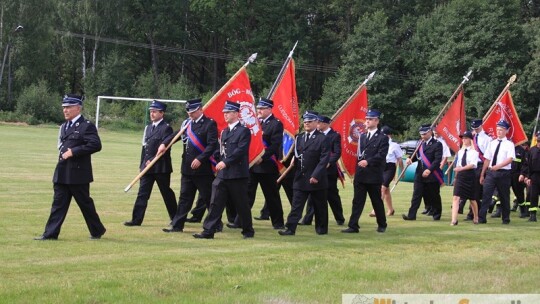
464, 159
153, 127
368, 136
68, 125
306, 136
494, 160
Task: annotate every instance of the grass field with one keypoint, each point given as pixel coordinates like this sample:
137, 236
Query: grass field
145, 265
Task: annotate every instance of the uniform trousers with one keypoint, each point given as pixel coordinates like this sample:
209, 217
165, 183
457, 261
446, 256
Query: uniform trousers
190, 184
334, 201
271, 195
361, 190
429, 191
145, 189
518, 188
319, 205
62, 198
233, 191
534, 190
287, 185
499, 180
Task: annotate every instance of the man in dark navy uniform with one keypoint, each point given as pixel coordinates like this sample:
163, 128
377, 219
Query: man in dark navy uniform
368, 177
265, 170
200, 142
530, 175
78, 139
332, 193
230, 184
428, 175
154, 134
311, 155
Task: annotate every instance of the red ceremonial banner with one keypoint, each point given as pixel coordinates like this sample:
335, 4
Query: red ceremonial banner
349, 123
286, 106
505, 110
453, 123
238, 89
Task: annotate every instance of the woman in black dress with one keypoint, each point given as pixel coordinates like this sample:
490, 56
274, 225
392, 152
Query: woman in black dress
467, 159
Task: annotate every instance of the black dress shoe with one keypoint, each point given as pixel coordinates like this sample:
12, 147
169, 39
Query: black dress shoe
350, 230
203, 235
279, 227
262, 218
131, 223
304, 223
173, 229
286, 232
248, 236
193, 220
407, 218
340, 223
437, 217
45, 238
482, 222
322, 232
233, 226
97, 237
381, 229
506, 222
426, 211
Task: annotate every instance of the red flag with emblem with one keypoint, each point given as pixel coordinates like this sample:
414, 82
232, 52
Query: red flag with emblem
283, 93
453, 123
349, 121
238, 89
505, 110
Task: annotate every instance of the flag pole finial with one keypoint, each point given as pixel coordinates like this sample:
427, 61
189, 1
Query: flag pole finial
294, 47
251, 59
466, 78
370, 76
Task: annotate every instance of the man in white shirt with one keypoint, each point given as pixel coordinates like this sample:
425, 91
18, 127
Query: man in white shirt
496, 173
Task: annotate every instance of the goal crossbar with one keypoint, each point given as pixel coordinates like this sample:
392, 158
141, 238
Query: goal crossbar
99, 98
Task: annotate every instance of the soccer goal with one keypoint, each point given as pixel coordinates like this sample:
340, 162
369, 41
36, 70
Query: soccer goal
99, 98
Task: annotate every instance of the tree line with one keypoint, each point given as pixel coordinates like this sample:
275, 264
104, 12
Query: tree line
183, 49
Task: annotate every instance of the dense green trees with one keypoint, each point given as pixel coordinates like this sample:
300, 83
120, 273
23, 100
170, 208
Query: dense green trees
182, 49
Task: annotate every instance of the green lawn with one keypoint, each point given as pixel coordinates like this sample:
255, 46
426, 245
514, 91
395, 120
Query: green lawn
145, 265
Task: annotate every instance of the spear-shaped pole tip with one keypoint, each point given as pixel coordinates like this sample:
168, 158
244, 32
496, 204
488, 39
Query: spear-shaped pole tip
294, 47
369, 77
252, 57
466, 78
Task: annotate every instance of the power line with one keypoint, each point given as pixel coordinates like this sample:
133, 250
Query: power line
169, 49
304, 67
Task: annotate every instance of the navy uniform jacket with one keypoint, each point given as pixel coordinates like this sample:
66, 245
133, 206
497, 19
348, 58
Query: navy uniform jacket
374, 152
273, 138
334, 139
234, 152
83, 140
151, 142
433, 151
206, 131
311, 159
531, 162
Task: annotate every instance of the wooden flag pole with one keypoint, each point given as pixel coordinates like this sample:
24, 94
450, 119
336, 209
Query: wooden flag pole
156, 158
466, 78
506, 88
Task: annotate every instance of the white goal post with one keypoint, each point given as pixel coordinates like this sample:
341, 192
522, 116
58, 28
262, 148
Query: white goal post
99, 98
